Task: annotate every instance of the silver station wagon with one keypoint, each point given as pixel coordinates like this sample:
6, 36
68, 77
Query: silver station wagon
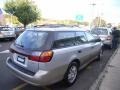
44, 56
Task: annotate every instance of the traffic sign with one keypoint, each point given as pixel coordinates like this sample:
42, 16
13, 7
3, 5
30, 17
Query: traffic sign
79, 18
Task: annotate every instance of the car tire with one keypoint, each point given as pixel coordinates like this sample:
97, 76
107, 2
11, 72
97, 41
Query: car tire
71, 74
99, 57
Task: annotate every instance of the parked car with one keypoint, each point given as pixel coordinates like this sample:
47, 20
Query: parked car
18, 31
7, 33
104, 34
43, 56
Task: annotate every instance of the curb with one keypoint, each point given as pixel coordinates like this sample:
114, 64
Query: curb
100, 78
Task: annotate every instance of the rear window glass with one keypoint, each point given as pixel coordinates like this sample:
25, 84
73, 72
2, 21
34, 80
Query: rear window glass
64, 35
64, 39
81, 38
99, 31
32, 40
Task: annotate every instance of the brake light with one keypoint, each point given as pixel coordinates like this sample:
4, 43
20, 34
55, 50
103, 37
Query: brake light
45, 56
109, 38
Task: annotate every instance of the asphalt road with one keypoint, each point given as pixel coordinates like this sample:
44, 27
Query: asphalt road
86, 77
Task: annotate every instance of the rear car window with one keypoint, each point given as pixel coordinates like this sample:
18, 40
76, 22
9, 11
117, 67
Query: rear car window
80, 38
32, 40
64, 35
64, 39
99, 31
89, 36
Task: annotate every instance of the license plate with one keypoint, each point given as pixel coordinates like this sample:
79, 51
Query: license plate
21, 59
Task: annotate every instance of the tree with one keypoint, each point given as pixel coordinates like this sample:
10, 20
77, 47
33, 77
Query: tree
14, 19
99, 22
25, 11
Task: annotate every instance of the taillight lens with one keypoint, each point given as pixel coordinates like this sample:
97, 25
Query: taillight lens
45, 56
109, 38
34, 58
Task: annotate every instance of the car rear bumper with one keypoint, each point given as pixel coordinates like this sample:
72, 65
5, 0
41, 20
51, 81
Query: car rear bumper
41, 78
107, 42
7, 36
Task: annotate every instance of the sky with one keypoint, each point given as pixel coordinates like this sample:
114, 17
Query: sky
69, 9
2, 3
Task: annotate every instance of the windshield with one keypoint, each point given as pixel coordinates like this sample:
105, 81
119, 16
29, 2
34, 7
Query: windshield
99, 31
32, 40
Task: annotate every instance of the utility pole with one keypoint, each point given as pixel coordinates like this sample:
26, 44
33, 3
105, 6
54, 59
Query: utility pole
11, 15
93, 6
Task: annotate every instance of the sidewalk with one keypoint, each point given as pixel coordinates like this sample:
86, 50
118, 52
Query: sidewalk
110, 78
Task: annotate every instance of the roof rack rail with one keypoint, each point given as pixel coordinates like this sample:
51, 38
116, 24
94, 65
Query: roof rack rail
54, 25
50, 25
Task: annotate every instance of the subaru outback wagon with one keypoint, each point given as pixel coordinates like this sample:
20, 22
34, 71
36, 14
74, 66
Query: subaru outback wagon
44, 56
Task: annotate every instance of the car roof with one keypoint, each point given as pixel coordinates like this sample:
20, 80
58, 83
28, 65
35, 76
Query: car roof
104, 28
57, 29
101, 28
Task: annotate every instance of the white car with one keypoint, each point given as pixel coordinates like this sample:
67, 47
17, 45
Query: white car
104, 34
7, 33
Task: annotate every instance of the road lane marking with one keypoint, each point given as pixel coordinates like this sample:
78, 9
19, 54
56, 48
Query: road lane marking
20, 86
46, 88
5, 51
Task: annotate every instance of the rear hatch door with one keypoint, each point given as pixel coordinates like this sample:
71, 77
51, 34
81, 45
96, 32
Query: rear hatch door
29, 43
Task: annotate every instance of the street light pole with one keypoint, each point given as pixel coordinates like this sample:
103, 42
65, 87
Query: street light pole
93, 5
11, 16
11, 19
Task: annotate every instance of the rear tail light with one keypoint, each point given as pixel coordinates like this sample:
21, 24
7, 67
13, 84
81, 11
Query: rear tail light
45, 56
109, 38
34, 58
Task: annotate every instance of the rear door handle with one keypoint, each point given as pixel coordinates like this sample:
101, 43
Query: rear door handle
79, 51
